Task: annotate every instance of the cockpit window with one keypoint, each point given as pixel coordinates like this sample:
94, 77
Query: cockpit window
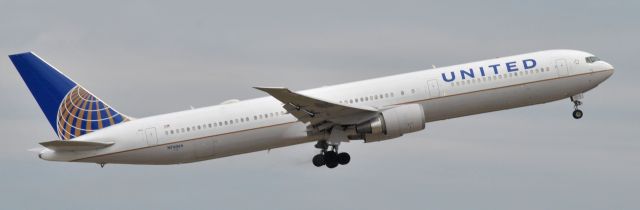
592, 59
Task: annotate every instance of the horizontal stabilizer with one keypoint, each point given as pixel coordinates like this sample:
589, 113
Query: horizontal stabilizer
60, 145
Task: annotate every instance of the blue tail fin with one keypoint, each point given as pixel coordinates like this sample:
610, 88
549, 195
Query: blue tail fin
71, 110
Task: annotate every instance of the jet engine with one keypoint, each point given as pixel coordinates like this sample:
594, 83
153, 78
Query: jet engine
393, 123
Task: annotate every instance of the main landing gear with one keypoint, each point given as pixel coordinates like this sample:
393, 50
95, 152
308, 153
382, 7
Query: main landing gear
577, 113
330, 157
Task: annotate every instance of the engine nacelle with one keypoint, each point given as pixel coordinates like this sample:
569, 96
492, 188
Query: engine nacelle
393, 123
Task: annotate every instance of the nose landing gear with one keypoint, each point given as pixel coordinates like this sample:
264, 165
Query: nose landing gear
330, 157
577, 113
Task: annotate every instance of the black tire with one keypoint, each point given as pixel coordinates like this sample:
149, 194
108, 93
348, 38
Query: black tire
330, 156
331, 159
577, 114
344, 158
318, 160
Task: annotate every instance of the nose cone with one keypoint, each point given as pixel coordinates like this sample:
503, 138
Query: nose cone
606, 65
608, 68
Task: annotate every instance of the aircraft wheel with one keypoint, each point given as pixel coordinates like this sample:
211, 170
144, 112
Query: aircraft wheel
577, 114
318, 160
344, 158
331, 159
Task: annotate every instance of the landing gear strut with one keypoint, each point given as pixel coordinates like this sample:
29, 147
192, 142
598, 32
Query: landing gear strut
330, 156
577, 113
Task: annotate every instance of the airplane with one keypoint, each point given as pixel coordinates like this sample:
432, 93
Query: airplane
89, 130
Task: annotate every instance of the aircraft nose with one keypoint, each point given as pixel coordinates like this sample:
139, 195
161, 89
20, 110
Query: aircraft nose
607, 65
609, 68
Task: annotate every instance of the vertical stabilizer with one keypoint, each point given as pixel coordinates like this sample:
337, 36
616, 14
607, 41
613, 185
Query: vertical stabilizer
71, 110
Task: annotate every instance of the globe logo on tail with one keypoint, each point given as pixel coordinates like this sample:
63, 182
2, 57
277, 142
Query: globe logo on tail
81, 112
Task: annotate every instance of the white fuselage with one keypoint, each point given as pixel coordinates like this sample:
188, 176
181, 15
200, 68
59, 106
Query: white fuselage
261, 123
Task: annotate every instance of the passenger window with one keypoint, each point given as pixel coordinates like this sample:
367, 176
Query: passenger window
402, 92
171, 131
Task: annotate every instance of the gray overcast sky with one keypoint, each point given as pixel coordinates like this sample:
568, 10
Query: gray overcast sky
151, 57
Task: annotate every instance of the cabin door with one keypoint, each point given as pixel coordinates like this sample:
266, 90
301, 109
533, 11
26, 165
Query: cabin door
562, 67
434, 90
152, 136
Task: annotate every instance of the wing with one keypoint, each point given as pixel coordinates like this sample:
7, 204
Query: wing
320, 113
